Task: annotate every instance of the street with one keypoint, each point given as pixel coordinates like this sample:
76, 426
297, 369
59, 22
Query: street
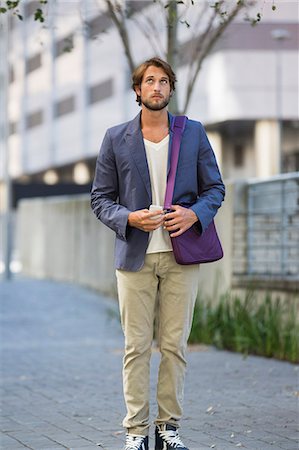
61, 387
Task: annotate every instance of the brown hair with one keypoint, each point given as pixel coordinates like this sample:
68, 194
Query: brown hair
138, 73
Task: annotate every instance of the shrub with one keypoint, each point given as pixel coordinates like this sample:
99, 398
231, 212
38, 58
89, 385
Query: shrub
267, 327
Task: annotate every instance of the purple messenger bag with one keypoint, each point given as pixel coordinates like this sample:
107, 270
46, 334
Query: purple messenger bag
191, 247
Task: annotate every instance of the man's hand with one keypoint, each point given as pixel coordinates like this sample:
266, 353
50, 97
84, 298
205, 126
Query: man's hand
180, 220
146, 220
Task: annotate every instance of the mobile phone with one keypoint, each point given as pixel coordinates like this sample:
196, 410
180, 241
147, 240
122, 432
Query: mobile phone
156, 208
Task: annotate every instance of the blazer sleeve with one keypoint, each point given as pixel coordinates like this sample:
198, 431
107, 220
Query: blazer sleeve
210, 185
105, 191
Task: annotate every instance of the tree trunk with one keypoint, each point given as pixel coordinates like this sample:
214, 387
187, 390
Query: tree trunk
172, 47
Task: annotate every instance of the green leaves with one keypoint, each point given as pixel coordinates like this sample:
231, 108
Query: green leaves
38, 15
223, 14
251, 325
13, 7
254, 20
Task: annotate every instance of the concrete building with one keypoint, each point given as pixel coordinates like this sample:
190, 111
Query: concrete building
69, 81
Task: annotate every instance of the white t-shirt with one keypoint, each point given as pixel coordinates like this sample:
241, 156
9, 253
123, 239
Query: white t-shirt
157, 157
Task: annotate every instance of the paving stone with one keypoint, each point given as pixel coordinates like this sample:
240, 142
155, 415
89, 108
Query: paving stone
12, 446
61, 383
8, 443
88, 448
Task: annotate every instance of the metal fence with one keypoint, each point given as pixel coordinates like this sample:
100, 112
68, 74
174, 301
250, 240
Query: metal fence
266, 239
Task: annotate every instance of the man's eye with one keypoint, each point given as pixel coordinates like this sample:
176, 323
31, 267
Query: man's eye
164, 82
149, 81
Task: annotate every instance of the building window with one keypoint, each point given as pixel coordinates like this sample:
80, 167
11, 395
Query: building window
34, 119
103, 21
33, 63
101, 91
30, 8
239, 155
98, 25
134, 6
65, 106
65, 45
291, 162
12, 128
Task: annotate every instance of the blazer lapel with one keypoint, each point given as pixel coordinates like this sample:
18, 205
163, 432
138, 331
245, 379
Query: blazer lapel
135, 143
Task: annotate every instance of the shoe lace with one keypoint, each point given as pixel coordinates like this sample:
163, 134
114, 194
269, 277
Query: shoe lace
172, 438
133, 442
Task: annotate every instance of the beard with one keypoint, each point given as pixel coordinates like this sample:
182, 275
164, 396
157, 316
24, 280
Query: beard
154, 105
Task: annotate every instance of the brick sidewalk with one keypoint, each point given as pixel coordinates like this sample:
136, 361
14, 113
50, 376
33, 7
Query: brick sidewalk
61, 380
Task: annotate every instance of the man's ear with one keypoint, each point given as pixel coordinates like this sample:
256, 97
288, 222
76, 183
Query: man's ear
138, 90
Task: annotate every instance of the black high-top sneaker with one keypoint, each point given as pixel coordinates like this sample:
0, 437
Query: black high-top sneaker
167, 438
136, 442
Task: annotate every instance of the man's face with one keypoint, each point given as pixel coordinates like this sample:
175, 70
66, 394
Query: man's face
154, 90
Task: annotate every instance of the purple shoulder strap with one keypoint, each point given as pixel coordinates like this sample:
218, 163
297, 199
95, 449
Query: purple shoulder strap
178, 126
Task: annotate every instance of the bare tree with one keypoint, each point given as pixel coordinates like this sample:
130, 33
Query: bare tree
208, 23
212, 20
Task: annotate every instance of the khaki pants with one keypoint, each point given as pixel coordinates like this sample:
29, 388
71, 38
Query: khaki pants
175, 288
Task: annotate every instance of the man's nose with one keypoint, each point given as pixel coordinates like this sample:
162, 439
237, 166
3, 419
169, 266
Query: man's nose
157, 86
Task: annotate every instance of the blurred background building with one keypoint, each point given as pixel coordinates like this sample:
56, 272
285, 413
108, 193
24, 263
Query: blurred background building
69, 81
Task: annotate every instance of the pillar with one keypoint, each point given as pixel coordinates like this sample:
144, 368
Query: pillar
216, 143
267, 148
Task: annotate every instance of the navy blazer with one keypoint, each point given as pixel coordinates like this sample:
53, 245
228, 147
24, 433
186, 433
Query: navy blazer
122, 184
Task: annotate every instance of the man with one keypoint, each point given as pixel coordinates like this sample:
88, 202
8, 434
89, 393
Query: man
128, 196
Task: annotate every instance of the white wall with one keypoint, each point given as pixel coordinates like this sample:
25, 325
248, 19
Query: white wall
61, 239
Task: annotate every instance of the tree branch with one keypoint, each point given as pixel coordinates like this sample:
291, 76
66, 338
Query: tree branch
120, 23
199, 39
172, 47
214, 36
148, 28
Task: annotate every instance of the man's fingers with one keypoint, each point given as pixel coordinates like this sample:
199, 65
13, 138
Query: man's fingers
177, 233
146, 220
152, 224
155, 213
177, 210
170, 222
178, 230
150, 227
173, 227
171, 215
154, 220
